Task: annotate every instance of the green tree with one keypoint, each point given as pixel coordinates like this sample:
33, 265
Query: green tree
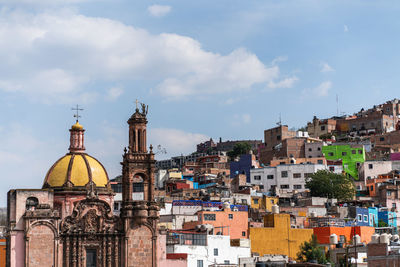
331, 185
310, 251
239, 149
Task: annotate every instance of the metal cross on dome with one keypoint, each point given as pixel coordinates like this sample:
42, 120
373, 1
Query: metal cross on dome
77, 109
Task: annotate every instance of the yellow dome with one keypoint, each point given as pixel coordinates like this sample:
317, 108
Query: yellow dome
77, 126
76, 170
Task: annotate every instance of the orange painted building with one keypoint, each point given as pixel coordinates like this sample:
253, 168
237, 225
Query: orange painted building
227, 222
372, 185
346, 233
2, 253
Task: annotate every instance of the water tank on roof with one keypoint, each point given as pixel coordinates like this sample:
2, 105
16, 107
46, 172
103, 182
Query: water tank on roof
333, 239
356, 239
384, 238
375, 238
275, 209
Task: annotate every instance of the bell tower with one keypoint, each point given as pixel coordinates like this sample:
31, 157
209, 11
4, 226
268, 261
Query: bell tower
139, 211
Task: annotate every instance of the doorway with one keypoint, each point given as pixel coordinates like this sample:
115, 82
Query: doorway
91, 258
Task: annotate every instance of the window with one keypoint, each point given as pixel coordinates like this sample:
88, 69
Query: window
117, 188
360, 151
261, 186
330, 154
243, 233
257, 177
270, 176
188, 194
138, 187
199, 263
344, 153
372, 188
284, 186
331, 169
226, 262
297, 186
230, 216
319, 149
278, 137
388, 193
323, 128
215, 252
366, 218
296, 175
31, 203
370, 166
116, 206
393, 205
284, 174
310, 149
209, 217
255, 201
244, 201
359, 217
320, 161
382, 139
353, 152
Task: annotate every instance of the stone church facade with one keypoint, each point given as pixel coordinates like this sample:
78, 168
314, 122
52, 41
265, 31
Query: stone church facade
69, 222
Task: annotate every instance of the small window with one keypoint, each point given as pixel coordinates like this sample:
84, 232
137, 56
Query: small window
296, 175
226, 262
370, 166
270, 176
394, 205
284, 186
200, 263
278, 137
209, 217
257, 177
359, 217
284, 174
372, 188
297, 186
344, 153
388, 193
244, 201
323, 128
353, 152
310, 149
360, 151
31, 203
116, 206
331, 169
319, 149
215, 252
243, 233
330, 154
188, 194
382, 139
320, 161
230, 216
366, 218
261, 186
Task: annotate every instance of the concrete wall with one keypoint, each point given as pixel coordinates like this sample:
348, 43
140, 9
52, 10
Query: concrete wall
371, 169
226, 252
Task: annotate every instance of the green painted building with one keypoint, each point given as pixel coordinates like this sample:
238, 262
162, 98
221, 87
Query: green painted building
351, 157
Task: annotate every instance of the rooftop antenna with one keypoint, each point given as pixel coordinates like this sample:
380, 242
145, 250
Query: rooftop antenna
337, 105
280, 120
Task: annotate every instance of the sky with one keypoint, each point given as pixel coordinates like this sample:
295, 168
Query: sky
207, 69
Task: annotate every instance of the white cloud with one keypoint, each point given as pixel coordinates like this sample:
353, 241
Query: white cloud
345, 28
114, 92
175, 141
326, 68
159, 10
320, 91
285, 83
55, 57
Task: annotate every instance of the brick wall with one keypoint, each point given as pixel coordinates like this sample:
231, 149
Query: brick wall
140, 249
41, 246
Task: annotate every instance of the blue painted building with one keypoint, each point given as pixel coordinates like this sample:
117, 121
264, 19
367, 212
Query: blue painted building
388, 217
360, 215
373, 216
242, 166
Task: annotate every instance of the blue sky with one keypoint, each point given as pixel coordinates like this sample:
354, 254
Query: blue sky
206, 68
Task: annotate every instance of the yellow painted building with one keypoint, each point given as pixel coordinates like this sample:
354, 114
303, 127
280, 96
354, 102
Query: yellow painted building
174, 174
277, 237
264, 202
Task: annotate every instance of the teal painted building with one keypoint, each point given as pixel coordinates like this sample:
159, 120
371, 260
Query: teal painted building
351, 157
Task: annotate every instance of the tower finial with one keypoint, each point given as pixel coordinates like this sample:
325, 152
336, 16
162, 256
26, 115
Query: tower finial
77, 109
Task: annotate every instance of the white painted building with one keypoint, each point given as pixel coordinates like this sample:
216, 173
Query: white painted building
283, 178
371, 169
204, 250
161, 177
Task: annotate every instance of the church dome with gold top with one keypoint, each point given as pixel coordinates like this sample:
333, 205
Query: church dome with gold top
77, 169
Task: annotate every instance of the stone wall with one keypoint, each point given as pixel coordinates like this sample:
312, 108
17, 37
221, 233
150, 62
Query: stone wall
140, 247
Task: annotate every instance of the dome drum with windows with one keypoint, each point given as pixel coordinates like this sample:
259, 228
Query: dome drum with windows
76, 170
